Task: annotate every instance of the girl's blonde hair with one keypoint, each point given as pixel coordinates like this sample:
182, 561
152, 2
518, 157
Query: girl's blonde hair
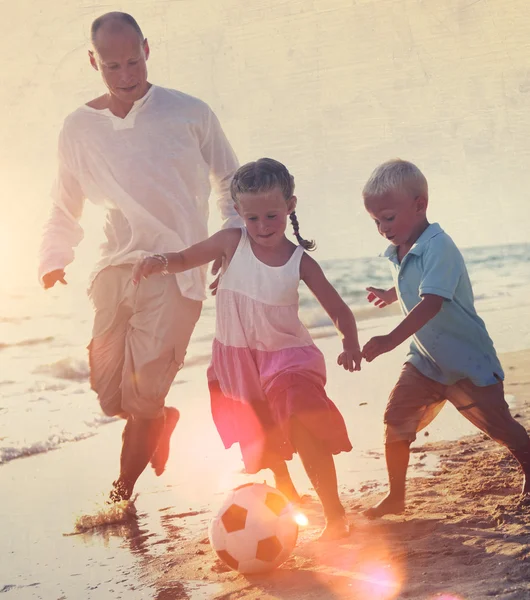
263, 175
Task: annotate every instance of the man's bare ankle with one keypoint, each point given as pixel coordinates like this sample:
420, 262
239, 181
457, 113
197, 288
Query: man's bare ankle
161, 454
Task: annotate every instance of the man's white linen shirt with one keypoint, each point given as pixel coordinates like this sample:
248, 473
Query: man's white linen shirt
153, 171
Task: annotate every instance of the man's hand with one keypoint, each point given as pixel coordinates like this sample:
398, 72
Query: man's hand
51, 278
350, 359
146, 267
217, 264
378, 345
382, 297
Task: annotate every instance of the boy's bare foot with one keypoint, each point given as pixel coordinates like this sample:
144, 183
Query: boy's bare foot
335, 529
161, 454
388, 506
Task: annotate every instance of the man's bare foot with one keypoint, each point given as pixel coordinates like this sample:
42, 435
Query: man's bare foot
161, 454
120, 491
335, 529
388, 506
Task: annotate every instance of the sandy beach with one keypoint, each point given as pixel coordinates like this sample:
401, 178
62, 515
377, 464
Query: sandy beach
464, 535
332, 88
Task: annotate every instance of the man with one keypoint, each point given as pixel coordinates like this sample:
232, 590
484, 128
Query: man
147, 154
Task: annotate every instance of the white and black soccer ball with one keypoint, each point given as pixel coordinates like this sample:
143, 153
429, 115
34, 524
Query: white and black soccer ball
255, 529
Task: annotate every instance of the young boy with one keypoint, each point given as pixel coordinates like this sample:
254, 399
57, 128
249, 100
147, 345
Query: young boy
451, 355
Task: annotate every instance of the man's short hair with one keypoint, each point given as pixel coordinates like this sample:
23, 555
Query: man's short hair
396, 175
115, 16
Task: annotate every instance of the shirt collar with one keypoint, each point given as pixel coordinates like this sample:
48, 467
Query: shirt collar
141, 101
433, 230
137, 104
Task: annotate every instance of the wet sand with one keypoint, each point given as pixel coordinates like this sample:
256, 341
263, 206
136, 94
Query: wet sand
464, 533
464, 536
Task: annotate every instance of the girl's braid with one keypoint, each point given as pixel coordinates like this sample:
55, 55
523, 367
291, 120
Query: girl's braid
306, 244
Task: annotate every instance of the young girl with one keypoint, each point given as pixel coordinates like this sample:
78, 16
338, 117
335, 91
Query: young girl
267, 377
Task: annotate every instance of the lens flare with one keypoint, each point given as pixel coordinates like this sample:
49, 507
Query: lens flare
379, 581
301, 519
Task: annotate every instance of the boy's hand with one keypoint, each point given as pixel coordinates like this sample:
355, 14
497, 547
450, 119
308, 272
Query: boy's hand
350, 359
146, 267
382, 297
376, 346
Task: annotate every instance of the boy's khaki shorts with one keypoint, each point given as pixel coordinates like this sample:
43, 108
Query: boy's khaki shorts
416, 400
139, 340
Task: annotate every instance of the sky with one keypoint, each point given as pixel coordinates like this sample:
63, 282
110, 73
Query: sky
329, 87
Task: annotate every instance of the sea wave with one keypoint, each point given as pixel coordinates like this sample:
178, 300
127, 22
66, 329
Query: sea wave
14, 320
66, 368
28, 342
12, 449
8, 453
315, 319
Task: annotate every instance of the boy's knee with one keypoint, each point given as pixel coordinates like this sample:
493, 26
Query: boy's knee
395, 418
394, 433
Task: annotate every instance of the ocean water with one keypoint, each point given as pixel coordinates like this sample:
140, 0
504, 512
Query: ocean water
332, 88
45, 396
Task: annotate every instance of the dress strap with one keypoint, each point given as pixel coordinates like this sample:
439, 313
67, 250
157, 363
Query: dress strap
296, 259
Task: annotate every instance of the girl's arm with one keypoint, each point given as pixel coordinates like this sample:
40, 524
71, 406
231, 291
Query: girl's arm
220, 245
337, 309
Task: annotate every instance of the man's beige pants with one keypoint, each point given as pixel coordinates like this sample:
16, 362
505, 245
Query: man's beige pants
139, 340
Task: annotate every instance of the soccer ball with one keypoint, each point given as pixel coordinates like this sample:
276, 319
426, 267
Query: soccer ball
255, 529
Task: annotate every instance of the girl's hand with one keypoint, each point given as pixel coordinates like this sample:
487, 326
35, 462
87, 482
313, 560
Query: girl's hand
217, 264
146, 267
376, 346
382, 297
51, 278
350, 359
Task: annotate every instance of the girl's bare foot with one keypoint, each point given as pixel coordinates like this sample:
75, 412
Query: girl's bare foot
335, 529
161, 454
525, 491
389, 505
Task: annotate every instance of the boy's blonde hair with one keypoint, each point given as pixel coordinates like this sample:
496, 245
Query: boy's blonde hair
396, 175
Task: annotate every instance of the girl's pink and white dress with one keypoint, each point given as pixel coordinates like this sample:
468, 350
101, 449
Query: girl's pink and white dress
265, 367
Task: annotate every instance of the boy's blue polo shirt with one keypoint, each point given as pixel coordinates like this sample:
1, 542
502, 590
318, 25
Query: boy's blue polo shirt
454, 344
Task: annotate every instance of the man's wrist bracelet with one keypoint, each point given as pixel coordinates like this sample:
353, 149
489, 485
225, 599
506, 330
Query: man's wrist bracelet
163, 259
